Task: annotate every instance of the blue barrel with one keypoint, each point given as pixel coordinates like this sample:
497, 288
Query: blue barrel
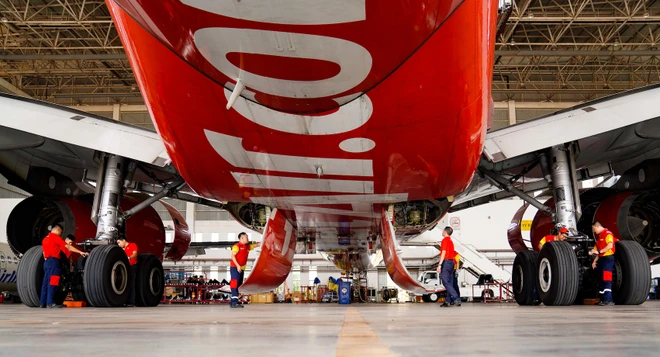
344, 292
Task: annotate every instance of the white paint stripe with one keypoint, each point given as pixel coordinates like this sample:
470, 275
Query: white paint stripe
349, 117
288, 229
302, 184
354, 224
340, 212
292, 12
330, 199
231, 149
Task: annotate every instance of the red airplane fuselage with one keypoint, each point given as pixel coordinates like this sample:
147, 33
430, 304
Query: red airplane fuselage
348, 106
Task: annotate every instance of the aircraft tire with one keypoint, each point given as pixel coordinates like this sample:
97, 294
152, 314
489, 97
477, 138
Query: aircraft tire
524, 278
150, 281
632, 275
107, 277
30, 276
78, 292
558, 274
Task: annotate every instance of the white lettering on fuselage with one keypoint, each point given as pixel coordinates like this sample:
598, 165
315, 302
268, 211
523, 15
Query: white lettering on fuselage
215, 43
355, 64
291, 12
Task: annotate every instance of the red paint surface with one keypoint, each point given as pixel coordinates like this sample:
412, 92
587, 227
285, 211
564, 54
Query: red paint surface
145, 228
608, 211
542, 225
395, 267
429, 82
514, 233
182, 237
275, 259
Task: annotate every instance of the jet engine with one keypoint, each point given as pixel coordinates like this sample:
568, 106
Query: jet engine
30, 221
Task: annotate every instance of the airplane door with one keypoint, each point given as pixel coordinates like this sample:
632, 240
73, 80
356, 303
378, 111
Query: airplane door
3, 261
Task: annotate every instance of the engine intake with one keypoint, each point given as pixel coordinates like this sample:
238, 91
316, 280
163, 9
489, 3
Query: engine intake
30, 221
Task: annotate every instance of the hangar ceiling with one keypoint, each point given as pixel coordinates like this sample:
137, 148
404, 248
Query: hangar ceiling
68, 52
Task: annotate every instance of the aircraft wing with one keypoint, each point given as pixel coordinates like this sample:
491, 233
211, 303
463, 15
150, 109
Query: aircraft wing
612, 134
49, 121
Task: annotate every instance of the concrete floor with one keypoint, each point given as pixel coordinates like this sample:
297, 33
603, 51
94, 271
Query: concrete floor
332, 330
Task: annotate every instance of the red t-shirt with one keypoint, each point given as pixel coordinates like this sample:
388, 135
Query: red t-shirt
242, 251
52, 245
448, 246
130, 248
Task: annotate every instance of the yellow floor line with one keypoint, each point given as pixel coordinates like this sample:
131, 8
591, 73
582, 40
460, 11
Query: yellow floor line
358, 339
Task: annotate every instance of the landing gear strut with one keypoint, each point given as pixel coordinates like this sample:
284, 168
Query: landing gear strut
104, 278
561, 273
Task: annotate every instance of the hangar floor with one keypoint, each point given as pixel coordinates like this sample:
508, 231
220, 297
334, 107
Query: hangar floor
332, 330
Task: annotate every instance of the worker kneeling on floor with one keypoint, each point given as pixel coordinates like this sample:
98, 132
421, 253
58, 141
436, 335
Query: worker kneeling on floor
52, 246
239, 257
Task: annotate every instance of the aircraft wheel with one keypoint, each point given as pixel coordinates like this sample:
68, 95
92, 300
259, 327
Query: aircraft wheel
632, 274
558, 274
107, 277
78, 292
30, 276
524, 278
149, 284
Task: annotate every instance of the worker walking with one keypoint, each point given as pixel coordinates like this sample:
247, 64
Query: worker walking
52, 246
446, 267
131, 250
561, 235
604, 261
239, 257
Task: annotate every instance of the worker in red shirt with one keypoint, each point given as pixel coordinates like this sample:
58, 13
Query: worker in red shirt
239, 257
561, 235
53, 246
446, 267
604, 261
131, 250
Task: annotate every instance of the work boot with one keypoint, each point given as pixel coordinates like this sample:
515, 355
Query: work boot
55, 306
236, 306
456, 303
43, 306
445, 304
606, 303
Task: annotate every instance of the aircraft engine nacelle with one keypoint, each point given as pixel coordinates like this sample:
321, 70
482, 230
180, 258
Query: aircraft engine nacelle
251, 215
633, 216
30, 220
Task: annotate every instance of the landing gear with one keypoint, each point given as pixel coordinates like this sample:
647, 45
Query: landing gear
107, 277
525, 273
149, 284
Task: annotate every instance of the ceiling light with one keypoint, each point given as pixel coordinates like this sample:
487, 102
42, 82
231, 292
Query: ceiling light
530, 15
4, 19
646, 15
513, 43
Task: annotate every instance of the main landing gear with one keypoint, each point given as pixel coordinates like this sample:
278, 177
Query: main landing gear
561, 273
104, 278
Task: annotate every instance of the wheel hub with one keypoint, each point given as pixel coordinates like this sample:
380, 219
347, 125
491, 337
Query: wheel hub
520, 279
119, 277
545, 275
154, 281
